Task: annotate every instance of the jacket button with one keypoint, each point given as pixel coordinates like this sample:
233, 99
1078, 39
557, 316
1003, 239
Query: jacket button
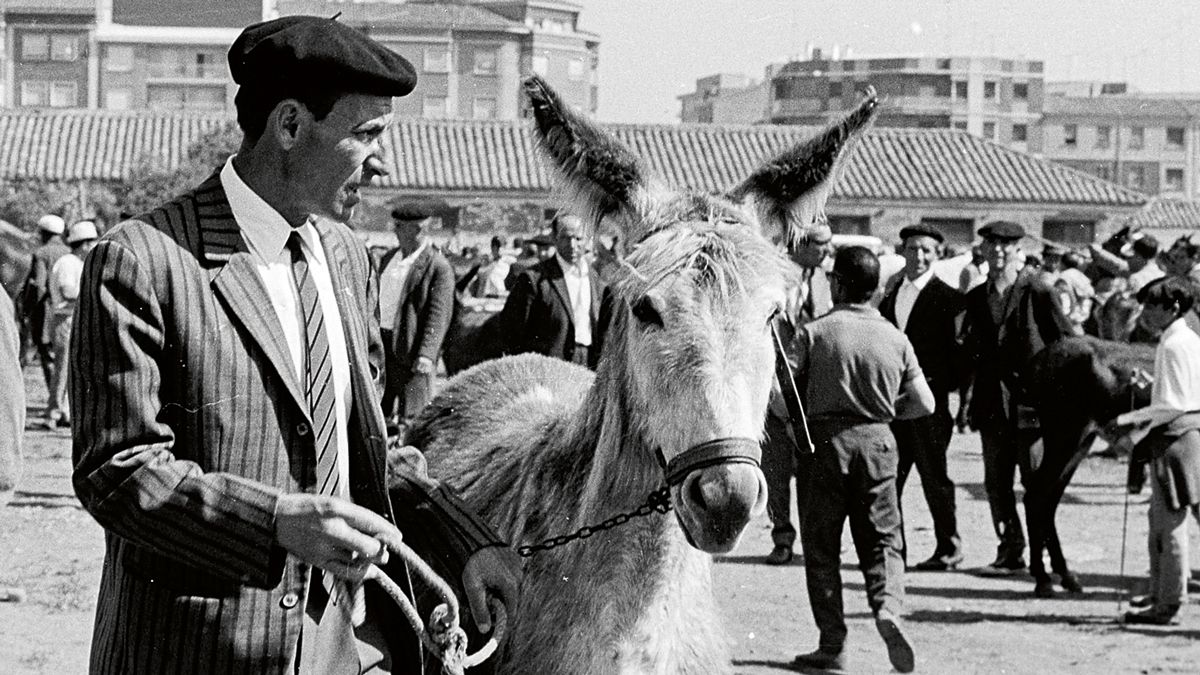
289, 600
302, 428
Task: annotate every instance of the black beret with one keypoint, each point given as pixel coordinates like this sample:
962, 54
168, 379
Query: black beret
318, 53
1002, 230
921, 230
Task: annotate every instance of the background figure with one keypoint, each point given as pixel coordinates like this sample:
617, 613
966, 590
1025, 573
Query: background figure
929, 312
975, 272
489, 280
859, 374
782, 459
1171, 447
554, 306
1183, 260
1009, 319
416, 303
64, 291
12, 401
35, 300
1076, 290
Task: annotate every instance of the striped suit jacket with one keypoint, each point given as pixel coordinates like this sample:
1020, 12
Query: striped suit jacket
190, 422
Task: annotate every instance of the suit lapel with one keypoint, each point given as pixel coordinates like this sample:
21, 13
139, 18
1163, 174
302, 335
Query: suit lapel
887, 306
237, 282
416, 272
554, 272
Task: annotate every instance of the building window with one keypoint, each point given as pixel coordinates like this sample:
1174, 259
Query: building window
1173, 180
435, 107
118, 58
1102, 171
960, 90
989, 90
484, 62
957, 231
117, 99
1070, 135
1175, 138
1103, 136
835, 90
960, 125
160, 97
1020, 91
35, 47
989, 130
1020, 133
1071, 232
35, 94
943, 64
484, 109
1135, 177
1137, 138
541, 65
210, 65
62, 94
575, 70
64, 47
436, 60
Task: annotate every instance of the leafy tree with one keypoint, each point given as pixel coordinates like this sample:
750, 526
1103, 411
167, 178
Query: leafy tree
151, 181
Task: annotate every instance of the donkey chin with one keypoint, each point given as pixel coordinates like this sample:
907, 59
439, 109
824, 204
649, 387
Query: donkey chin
714, 504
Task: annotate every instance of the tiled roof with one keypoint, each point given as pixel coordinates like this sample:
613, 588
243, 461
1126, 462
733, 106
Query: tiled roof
1168, 218
436, 15
498, 156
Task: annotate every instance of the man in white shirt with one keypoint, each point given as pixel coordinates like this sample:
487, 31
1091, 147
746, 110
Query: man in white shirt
489, 280
1171, 446
554, 306
64, 290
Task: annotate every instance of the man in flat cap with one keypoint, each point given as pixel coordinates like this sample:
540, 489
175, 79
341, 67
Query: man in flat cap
228, 433
1009, 318
416, 302
929, 312
35, 297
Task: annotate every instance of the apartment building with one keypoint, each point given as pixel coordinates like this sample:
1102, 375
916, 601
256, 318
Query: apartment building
46, 51
727, 98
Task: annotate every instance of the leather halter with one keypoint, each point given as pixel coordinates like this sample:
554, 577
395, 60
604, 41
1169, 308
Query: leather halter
734, 450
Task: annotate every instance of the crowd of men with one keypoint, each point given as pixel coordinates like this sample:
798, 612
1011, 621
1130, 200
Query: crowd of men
229, 436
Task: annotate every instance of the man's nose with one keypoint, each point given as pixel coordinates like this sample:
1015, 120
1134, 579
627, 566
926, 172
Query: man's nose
374, 166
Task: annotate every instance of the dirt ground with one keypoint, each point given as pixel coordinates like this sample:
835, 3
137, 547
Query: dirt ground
958, 623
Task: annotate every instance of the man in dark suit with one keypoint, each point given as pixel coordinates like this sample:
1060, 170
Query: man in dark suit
35, 300
1009, 318
225, 359
929, 312
416, 303
554, 306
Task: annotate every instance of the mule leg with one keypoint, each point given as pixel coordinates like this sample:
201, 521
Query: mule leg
1037, 515
1074, 453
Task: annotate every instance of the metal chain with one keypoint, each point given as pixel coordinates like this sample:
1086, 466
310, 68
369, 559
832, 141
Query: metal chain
658, 501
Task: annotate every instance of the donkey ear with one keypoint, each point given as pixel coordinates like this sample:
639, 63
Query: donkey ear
789, 191
596, 172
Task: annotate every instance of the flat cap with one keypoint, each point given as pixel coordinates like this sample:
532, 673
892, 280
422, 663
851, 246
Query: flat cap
52, 224
1002, 230
921, 230
84, 230
318, 53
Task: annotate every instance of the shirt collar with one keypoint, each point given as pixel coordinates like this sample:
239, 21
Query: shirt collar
579, 267
920, 282
265, 229
412, 257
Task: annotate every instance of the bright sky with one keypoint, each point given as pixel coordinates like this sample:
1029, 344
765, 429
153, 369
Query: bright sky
653, 50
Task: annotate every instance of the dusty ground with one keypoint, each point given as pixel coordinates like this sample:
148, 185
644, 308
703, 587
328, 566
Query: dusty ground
958, 622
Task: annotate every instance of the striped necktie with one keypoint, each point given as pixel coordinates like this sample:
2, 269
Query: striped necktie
333, 648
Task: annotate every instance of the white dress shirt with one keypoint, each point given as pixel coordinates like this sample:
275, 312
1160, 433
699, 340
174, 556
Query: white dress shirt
266, 234
579, 288
1176, 387
906, 297
391, 285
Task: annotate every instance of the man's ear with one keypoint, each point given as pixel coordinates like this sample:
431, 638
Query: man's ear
286, 120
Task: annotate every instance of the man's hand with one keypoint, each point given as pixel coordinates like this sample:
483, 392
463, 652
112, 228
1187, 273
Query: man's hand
494, 570
333, 534
424, 366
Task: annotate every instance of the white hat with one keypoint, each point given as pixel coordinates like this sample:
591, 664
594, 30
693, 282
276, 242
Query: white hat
52, 224
84, 230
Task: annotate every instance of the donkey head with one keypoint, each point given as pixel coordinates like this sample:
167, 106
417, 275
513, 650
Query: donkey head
690, 350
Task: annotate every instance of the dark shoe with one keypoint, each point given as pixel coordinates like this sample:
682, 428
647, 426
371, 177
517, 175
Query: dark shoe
900, 652
1165, 615
780, 555
939, 563
1003, 568
1043, 589
1070, 583
1141, 601
821, 659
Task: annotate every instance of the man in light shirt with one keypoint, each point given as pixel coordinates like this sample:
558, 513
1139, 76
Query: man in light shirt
64, 290
416, 303
489, 279
554, 306
1171, 447
929, 312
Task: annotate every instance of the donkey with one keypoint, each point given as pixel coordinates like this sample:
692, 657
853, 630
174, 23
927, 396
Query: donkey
540, 447
1077, 385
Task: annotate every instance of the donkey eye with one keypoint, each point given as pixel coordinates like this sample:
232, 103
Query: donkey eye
645, 312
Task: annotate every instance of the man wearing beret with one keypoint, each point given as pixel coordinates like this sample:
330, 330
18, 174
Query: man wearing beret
416, 302
228, 433
929, 312
1009, 318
